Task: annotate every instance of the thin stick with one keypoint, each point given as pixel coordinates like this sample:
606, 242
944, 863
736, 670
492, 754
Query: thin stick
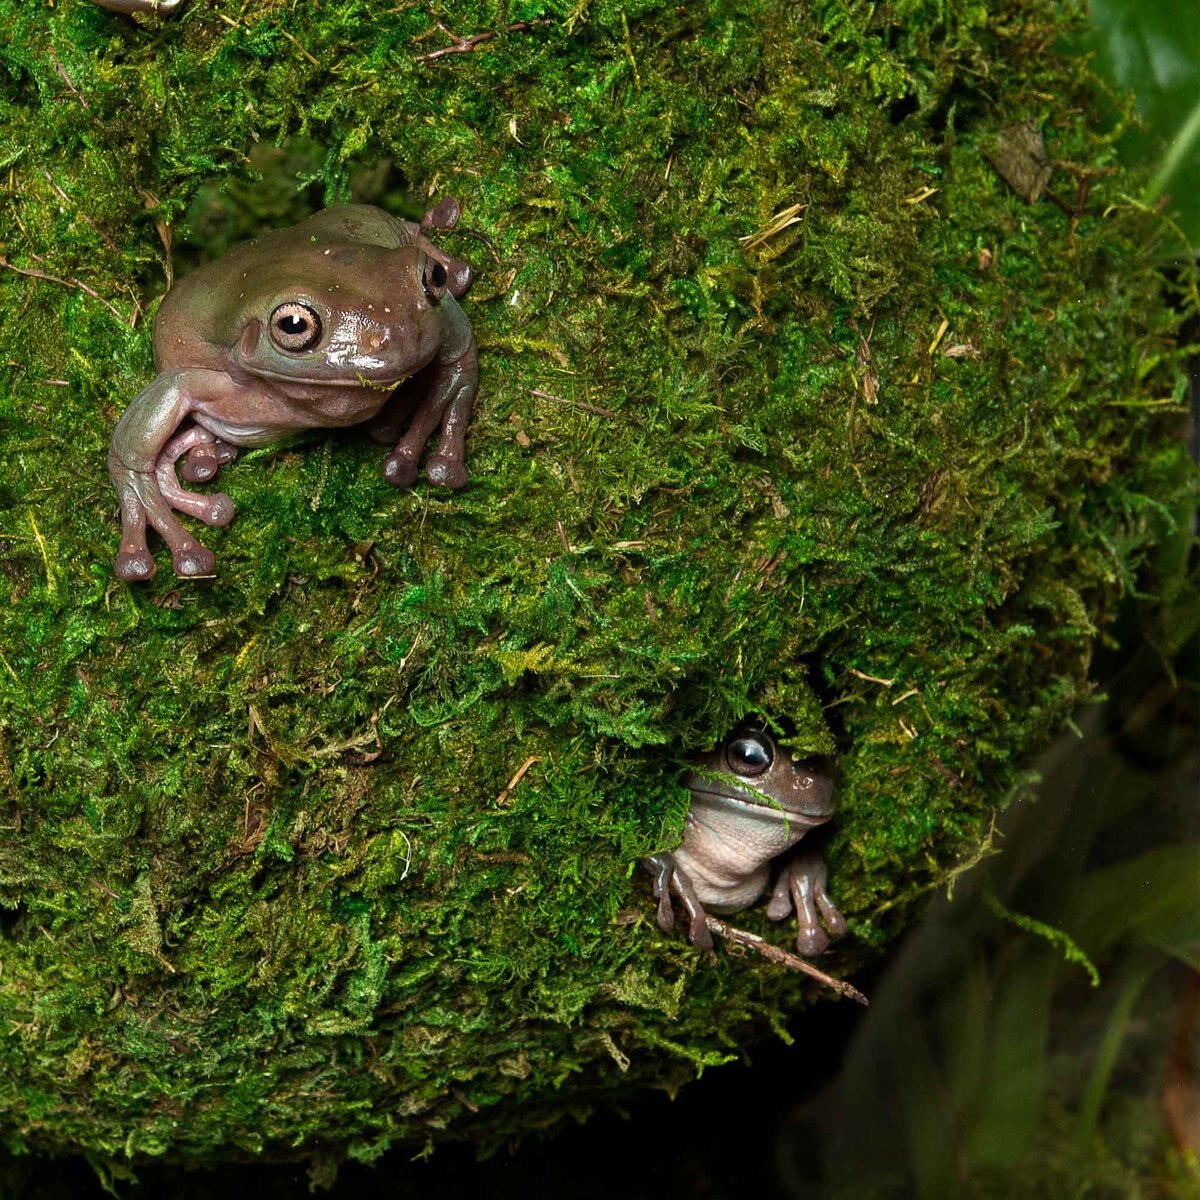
465, 45
760, 946
506, 791
68, 80
583, 404
72, 282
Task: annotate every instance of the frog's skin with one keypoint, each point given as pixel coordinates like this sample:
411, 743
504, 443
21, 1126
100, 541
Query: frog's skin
751, 803
139, 6
303, 328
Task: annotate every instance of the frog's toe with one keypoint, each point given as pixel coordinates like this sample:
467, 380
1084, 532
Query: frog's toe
199, 469
134, 566
446, 472
834, 921
400, 470
698, 932
219, 510
443, 215
205, 461
194, 562
811, 941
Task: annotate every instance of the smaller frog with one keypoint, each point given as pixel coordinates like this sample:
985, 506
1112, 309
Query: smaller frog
139, 6
751, 803
312, 327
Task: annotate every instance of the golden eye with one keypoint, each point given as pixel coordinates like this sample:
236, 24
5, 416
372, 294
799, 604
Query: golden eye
433, 279
295, 327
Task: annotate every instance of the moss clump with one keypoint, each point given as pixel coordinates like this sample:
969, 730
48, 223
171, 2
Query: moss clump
884, 470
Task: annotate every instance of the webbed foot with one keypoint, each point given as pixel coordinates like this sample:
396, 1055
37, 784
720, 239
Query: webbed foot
803, 886
444, 215
670, 877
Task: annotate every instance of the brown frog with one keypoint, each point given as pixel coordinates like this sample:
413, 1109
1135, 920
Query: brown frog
751, 803
310, 327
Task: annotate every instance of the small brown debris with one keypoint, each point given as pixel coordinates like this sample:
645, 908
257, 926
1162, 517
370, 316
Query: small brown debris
1021, 161
506, 791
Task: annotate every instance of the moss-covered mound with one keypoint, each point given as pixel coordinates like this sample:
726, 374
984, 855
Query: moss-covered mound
790, 404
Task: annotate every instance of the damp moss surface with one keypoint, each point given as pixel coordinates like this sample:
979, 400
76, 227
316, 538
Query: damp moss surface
790, 405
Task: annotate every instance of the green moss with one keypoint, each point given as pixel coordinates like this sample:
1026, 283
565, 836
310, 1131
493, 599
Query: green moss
265, 894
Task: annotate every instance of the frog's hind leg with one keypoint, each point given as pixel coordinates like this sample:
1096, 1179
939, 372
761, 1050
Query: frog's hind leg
141, 502
444, 215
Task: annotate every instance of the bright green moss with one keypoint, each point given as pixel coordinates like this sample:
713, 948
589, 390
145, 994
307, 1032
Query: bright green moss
261, 889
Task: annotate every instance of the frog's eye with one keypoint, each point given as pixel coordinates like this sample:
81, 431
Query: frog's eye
749, 753
295, 327
433, 279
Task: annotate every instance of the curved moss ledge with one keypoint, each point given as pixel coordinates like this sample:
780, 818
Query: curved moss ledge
884, 470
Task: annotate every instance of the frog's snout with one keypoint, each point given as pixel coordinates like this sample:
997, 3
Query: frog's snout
808, 791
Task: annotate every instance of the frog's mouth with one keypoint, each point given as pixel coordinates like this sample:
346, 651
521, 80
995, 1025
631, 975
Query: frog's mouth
769, 809
357, 381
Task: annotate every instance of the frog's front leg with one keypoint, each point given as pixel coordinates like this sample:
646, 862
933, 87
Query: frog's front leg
803, 884
206, 448
670, 877
206, 454
134, 455
448, 404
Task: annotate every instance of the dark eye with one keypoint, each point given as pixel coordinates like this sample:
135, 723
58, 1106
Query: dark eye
433, 279
749, 754
295, 327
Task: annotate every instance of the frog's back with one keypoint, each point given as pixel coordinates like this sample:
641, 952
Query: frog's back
363, 224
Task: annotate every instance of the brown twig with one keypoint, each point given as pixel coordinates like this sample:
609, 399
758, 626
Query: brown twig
466, 45
752, 941
506, 791
62, 71
580, 404
33, 273
792, 215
